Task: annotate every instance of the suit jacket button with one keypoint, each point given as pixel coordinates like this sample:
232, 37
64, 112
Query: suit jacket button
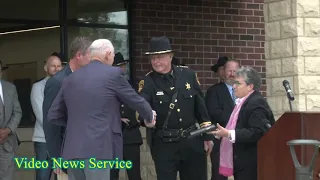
190, 95
180, 119
122, 105
160, 102
122, 112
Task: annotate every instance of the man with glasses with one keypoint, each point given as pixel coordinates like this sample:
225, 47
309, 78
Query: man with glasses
220, 100
245, 127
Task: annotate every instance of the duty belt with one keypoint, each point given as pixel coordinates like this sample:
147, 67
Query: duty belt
174, 135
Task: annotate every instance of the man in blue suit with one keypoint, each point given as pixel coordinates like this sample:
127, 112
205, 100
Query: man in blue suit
80, 56
88, 104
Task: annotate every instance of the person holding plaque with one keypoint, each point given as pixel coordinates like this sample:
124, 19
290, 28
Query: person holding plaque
247, 124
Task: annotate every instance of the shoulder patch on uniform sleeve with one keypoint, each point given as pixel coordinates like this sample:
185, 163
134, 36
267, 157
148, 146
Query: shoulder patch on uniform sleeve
197, 79
141, 85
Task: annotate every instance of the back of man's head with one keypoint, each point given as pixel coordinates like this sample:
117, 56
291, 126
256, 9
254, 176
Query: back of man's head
102, 49
79, 44
101, 45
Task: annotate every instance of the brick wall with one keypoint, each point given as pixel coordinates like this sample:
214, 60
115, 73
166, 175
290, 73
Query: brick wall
201, 31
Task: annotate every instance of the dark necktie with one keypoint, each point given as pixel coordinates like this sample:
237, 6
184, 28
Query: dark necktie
169, 79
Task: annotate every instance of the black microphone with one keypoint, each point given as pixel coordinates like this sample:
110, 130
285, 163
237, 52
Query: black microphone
288, 90
266, 125
200, 131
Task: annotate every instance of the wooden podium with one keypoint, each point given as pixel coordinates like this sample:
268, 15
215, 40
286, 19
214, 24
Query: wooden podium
274, 157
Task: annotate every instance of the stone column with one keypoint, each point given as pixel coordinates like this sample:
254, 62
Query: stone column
292, 50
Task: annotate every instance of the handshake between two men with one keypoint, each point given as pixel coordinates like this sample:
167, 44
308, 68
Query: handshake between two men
147, 124
218, 131
153, 122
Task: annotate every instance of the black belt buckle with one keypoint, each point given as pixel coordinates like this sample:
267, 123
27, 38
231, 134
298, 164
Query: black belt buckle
183, 133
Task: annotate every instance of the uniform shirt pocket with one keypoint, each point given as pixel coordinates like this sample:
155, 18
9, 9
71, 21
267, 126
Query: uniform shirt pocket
189, 94
162, 99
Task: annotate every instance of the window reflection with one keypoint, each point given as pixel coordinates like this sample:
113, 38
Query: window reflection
24, 54
118, 37
102, 18
31, 10
9, 25
118, 18
98, 11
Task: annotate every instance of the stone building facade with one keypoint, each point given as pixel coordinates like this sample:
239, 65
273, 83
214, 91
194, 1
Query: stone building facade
292, 51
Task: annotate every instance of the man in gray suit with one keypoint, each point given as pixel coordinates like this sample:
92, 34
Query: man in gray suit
10, 116
90, 97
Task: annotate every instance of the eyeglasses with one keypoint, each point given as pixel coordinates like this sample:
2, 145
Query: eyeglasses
237, 83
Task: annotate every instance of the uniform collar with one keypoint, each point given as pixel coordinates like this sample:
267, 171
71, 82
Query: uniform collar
170, 74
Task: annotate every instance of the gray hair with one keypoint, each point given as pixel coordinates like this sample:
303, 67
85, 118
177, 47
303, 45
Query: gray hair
250, 75
99, 46
79, 44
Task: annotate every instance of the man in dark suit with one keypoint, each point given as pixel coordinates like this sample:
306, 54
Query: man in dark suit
174, 92
247, 124
88, 105
80, 56
220, 100
132, 139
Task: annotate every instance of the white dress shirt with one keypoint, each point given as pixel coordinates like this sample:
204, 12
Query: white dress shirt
1, 92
